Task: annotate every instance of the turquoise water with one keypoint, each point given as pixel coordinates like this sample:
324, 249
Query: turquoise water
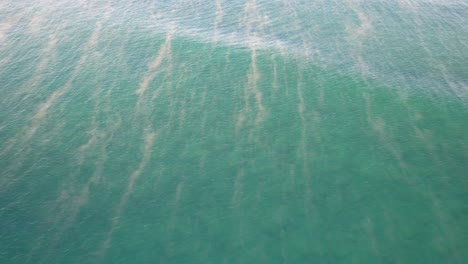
233, 131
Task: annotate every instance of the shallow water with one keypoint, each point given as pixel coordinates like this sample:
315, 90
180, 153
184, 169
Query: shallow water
233, 131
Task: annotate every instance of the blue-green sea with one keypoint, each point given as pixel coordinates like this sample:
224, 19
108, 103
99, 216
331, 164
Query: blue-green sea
243, 131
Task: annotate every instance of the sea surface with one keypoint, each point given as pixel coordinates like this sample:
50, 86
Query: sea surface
243, 131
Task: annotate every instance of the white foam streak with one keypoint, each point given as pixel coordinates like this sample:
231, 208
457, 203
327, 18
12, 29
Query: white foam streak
152, 72
149, 139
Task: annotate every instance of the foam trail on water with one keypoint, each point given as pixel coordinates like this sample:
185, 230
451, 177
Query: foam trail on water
8, 24
178, 194
441, 213
49, 54
149, 138
274, 82
238, 186
40, 116
357, 35
252, 21
153, 66
219, 16
377, 124
4, 29
369, 229
75, 203
253, 78
301, 108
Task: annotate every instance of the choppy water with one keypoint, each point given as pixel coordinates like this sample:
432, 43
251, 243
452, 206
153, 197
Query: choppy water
243, 131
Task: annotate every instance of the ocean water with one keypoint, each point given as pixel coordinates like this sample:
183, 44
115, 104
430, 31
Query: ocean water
244, 131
